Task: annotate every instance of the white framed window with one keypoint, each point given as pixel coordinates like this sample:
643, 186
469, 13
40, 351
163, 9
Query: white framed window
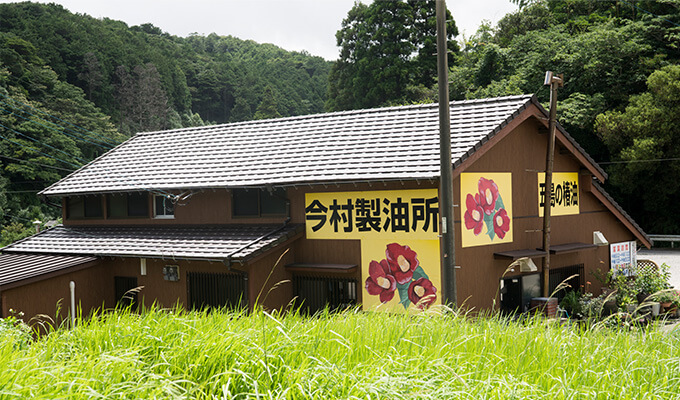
163, 207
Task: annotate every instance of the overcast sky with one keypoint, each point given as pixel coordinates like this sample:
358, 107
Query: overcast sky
291, 24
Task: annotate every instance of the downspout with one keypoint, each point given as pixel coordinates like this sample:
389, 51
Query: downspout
228, 260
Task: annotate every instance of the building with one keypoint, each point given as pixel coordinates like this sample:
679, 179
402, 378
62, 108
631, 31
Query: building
338, 208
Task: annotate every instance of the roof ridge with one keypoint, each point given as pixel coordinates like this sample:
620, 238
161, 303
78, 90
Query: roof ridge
363, 111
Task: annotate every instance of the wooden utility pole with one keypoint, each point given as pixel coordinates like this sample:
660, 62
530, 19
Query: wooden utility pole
447, 243
554, 81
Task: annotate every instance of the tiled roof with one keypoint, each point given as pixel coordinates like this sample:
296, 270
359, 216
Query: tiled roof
218, 242
18, 267
377, 144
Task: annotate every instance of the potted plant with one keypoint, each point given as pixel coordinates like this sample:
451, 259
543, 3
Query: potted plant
675, 303
665, 298
649, 281
571, 303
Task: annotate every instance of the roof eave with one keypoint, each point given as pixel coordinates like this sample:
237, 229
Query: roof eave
628, 221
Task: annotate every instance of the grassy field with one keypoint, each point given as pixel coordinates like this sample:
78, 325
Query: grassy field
221, 355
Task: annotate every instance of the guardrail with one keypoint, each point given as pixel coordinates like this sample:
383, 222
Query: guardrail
665, 238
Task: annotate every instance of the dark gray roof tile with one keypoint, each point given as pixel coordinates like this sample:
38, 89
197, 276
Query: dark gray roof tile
18, 267
219, 242
377, 144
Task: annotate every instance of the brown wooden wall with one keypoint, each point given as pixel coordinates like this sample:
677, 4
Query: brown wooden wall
94, 289
520, 152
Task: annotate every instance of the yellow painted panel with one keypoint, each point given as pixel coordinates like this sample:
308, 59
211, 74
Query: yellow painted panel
384, 214
486, 207
400, 276
565, 194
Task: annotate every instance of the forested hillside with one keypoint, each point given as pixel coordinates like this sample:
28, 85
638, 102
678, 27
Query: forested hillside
110, 81
621, 96
620, 59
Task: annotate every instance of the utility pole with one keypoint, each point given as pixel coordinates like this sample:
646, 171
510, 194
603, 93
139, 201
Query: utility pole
447, 242
554, 81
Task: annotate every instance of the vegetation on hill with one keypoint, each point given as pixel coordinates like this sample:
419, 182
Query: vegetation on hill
73, 86
607, 51
388, 55
618, 59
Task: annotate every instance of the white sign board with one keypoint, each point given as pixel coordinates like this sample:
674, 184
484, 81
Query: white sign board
622, 256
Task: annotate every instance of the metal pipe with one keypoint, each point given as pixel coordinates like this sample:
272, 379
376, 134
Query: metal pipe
72, 286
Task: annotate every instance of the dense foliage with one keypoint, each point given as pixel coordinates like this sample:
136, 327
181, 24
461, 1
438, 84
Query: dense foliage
115, 65
607, 51
353, 355
388, 54
72, 86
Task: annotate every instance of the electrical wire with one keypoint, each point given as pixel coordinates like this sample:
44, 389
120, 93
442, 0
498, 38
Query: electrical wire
162, 192
36, 163
650, 13
107, 147
104, 139
38, 151
639, 161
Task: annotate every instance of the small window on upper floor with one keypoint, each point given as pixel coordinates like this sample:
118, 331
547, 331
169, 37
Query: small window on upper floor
84, 207
259, 202
163, 207
127, 205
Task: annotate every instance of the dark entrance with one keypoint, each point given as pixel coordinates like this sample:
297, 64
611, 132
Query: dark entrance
315, 293
516, 292
216, 290
126, 291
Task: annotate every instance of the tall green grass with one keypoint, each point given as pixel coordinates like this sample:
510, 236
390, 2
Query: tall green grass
362, 355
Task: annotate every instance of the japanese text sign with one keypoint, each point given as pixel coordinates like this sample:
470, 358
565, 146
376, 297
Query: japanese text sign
564, 189
622, 256
375, 214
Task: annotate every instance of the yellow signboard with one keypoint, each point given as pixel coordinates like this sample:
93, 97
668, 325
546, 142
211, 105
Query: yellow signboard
398, 229
486, 207
564, 190
374, 214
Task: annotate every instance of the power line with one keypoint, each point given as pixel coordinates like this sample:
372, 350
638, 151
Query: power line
649, 12
164, 193
36, 163
639, 161
54, 129
38, 151
44, 144
104, 139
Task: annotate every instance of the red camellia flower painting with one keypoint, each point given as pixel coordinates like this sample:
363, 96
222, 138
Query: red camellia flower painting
474, 214
488, 194
422, 293
401, 272
380, 281
402, 261
501, 223
485, 212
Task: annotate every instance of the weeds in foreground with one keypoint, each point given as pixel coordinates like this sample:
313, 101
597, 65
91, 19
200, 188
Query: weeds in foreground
235, 355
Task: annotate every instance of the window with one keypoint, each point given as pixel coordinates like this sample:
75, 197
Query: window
84, 207
127, 205
259, 202
163, 207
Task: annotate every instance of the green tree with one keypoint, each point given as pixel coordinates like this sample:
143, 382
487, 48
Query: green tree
268, 107
385, 47
648, 130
